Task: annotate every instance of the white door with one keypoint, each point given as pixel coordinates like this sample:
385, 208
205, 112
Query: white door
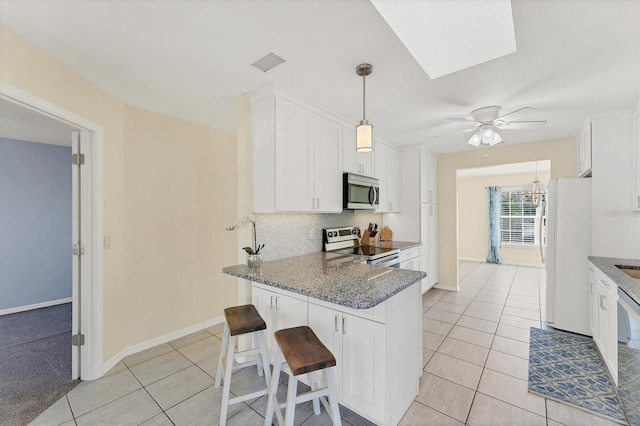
81, 251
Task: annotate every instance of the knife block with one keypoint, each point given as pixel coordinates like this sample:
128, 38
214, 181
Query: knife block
367, 239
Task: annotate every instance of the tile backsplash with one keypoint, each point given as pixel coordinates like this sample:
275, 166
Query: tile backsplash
287, 234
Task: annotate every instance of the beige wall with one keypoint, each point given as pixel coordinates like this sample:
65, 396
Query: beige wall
180, 195
561, 152
473, 217
167, 183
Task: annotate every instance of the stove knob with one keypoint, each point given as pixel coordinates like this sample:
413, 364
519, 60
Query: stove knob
354, 232
330, 234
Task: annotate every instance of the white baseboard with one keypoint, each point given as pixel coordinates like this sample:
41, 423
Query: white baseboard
446, 287
34, 306
530, 265
157, 341
471, 259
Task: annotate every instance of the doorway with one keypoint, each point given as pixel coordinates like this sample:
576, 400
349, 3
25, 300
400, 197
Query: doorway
85, 140
522, 222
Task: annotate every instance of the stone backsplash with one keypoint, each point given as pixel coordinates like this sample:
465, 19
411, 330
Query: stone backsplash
287, 234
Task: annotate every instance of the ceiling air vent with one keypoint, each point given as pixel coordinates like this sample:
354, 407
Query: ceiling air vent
267, 62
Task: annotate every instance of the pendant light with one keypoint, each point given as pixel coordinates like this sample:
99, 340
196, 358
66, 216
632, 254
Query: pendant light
537, 190
364, 130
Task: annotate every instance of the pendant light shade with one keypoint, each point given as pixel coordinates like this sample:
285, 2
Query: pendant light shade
364, 136
364, 130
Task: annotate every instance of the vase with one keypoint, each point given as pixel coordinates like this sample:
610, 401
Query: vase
254, 260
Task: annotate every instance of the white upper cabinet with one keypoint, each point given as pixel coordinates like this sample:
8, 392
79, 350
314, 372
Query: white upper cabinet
294, 178
327, 147
428, 178
635, 202
584, 149
297, 156
388, 167
360, 163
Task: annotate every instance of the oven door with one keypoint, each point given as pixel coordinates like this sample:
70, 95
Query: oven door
391, 261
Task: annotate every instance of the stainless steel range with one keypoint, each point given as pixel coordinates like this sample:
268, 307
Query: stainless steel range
347, 240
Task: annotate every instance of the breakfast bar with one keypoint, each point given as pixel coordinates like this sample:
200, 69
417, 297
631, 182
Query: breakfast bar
368, 316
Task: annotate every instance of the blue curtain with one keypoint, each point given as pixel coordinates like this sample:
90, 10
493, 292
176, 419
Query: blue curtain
495, 198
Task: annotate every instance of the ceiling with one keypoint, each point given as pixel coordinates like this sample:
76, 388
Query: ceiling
191, 60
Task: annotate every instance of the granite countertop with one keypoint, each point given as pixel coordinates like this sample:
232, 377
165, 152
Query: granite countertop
629, 285
335, 278
402, 245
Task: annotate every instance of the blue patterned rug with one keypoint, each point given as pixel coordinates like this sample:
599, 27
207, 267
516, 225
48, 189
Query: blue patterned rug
567, 368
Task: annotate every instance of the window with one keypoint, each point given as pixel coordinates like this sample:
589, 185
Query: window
519, 218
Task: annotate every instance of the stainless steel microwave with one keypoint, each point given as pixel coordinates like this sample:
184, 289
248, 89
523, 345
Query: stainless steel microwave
360, 192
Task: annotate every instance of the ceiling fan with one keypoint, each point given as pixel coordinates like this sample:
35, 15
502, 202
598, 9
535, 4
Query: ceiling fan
486, 122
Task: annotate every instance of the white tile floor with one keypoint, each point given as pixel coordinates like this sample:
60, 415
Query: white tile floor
475, 352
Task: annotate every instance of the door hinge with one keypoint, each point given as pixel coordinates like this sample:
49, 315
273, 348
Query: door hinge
77, 159
78, 249
77, 339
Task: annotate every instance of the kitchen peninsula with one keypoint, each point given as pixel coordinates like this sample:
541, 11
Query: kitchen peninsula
368, 316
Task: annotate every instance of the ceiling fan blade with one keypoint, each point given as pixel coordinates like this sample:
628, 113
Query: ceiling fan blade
519, 110
457, 132
517, 125
461, 120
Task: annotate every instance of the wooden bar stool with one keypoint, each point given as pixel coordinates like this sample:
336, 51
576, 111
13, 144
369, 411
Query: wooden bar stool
303, 352
242, 320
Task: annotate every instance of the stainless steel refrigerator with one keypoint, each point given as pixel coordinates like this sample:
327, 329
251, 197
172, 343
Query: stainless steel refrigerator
568, 245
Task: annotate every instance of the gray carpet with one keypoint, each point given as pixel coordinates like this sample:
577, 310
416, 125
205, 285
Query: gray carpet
35, 362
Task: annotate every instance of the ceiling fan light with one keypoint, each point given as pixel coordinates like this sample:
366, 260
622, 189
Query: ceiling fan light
487, 136
475, 140
496, 139
364, 136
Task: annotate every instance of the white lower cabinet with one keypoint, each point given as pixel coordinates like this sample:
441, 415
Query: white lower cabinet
413, 259
359, 348
279, 309
604, 318
378, 351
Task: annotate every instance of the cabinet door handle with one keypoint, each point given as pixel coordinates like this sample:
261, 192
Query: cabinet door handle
277, 304
335, 323
390, 206
593, 291
318, 203
430, 197
272, 301
602, 305
344, 325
